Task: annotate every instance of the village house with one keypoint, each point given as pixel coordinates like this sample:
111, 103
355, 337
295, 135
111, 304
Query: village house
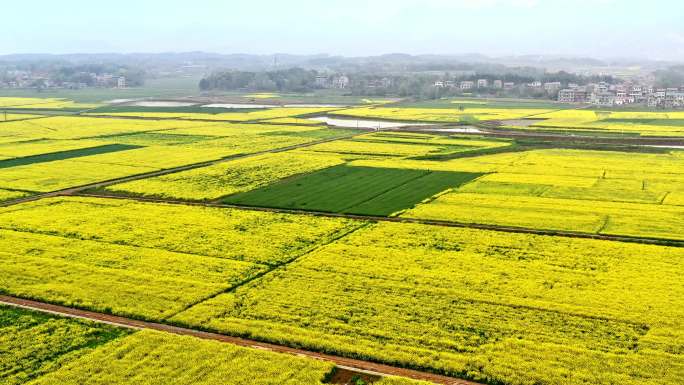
467, 85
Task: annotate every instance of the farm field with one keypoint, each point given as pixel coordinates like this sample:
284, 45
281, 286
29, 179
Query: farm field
98, 258
237, 116
411, 247
602, 192
643, 123
6, 195
242, 175
34, 344
41, 103
354, 190
408, 145
7, 117
473, 304
526, 285
59, 152
46, 349
228, 178
441, 115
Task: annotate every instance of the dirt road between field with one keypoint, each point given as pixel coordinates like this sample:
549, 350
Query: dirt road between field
364, 368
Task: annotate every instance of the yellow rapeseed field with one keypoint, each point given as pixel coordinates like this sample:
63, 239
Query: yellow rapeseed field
439, 114
491, 306
230, 177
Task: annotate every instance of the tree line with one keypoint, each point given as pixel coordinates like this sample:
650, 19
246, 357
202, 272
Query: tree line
419, 85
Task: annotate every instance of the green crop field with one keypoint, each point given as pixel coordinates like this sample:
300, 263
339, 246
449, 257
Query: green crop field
354, 190
61, 155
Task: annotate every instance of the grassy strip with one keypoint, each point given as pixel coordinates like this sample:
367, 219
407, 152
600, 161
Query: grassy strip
62, 155
412, 192
650, 122
184, 109
515, 147
354, 190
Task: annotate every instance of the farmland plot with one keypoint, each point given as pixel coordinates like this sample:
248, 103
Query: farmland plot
589, 191
251, 236
34, 344
355, 190
115, 148
643, 123
40, 349
134, 281
494, 307
440, 115
6, 195
635, 194
152, 358
262, 114
228, 178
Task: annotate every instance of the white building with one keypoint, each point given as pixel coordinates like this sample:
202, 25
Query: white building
340, 82
121, 82
552, 86
482, 83
322, 81
467, 85
498, 84
566, 96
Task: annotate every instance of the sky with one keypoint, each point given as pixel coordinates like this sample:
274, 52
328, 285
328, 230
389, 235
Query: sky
651, 29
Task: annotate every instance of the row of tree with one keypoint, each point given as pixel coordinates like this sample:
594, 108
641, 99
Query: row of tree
289, 80
419, 85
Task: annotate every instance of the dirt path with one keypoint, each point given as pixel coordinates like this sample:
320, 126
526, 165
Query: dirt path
348, 364
432, 222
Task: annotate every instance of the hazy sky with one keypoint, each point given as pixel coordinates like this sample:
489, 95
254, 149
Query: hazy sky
599, 28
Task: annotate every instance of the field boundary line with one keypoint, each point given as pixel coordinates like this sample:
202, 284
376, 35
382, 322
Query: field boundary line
128, 323
341, 234
432, 222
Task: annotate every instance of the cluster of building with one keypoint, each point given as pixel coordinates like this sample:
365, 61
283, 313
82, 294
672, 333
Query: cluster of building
497, 85
608, 95
472, 84
31, 79
339, 82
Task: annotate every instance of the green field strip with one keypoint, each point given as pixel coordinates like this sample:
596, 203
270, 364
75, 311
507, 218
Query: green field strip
332, 189
650, 122
412, 192
62, 155
184, 109
353, 190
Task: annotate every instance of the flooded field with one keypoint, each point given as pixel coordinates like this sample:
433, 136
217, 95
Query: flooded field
154, 103
238, 105
357, 123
